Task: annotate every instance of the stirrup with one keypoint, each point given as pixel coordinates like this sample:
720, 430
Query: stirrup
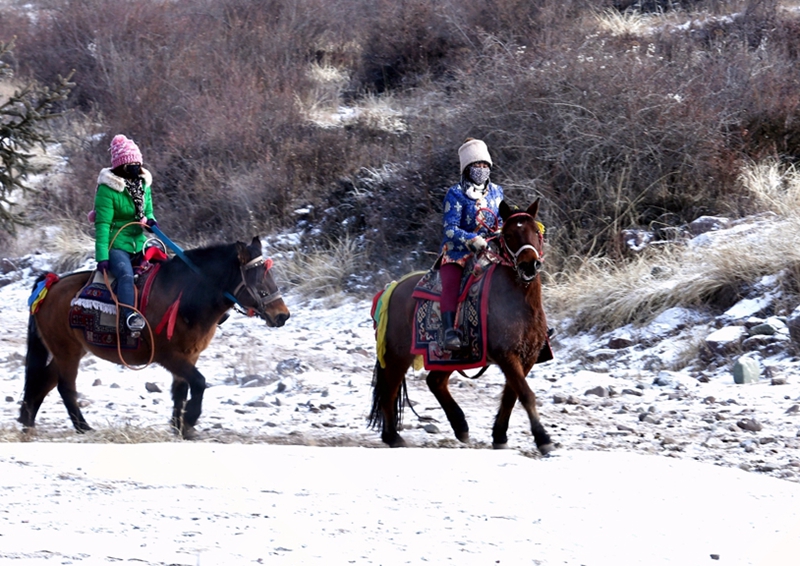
135, 322
452, 341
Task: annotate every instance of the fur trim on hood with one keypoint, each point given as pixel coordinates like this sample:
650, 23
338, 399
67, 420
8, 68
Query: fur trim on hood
106, 177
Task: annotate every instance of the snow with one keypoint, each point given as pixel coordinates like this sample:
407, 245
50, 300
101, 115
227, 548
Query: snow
657, 472
240, 504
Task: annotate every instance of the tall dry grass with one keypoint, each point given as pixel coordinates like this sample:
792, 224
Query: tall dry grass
709, 272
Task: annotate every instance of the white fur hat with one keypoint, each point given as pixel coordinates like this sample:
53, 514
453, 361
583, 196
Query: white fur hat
472, 151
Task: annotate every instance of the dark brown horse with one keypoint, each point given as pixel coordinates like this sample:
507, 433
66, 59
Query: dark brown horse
202, 290
516, 334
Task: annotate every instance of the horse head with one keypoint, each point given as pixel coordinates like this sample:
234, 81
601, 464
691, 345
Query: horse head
523, 240
258, 291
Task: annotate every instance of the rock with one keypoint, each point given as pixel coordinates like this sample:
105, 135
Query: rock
649, 417
292, 365
779, 381
793, 410
9, 399
152, 387
749, 424
600, 391
708, 224
634, 392
431, 429
114, 386
96, 382
764, 328
725, 340
746, 370
620, 342
793, 323
256, 404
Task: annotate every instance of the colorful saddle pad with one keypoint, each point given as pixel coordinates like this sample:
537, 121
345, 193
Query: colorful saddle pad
93, 310
471, 320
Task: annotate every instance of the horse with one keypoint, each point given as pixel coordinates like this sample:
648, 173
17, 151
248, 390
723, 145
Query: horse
192, 293
516, 333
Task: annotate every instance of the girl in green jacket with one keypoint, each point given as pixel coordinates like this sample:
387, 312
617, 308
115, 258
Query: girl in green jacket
123, 196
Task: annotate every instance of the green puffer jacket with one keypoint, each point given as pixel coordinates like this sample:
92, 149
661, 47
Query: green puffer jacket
114, 208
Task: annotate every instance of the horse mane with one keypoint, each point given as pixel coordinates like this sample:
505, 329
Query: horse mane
219, 272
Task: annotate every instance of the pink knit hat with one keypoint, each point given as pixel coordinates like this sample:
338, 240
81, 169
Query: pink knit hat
124, 150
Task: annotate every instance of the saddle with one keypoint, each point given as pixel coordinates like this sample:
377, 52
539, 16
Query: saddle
470, 319
94, 311
471, 315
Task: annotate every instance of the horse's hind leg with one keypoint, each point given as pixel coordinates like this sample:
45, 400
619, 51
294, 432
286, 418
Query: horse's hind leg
68, 377
387, 403
438, 384
39, 381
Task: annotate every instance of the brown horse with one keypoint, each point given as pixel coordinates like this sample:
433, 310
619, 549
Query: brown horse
202, 289
516, 334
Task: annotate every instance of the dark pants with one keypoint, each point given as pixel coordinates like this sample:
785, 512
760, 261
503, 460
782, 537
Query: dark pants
119, 263
451, 284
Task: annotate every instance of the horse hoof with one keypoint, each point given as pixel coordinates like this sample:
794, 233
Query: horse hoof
463, 437
398, 442
500, 446
545, 449
190, 433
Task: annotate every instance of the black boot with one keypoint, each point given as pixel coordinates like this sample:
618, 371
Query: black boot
452, 337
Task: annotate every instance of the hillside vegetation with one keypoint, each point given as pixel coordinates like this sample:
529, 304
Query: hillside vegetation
341, 120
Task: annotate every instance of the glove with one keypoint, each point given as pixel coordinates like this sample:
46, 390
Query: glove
152, 222
477, 244
102, 266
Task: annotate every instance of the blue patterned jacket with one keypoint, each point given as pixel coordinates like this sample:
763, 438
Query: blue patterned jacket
461, 220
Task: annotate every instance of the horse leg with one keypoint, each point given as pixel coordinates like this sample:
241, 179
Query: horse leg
387, 403
515, 382
39, 381
500, 428
438, 384
196, 383
180, 392
68, 376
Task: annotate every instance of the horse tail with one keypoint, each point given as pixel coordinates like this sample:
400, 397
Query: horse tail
37, 354
379, 392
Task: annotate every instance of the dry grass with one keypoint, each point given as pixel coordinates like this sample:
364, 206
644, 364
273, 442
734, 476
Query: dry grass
125, 434
602, 294
323, 270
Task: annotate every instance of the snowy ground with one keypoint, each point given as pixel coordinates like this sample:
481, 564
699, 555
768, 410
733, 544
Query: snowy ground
655, 469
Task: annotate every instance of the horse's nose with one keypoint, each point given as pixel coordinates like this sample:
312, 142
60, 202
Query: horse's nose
281, 319
530, 268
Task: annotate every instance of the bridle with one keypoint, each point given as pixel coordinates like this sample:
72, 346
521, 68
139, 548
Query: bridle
261, 302
508, 256
260, 299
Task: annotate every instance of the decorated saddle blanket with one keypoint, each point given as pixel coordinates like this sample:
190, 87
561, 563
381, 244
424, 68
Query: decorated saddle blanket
94, 311
471, 317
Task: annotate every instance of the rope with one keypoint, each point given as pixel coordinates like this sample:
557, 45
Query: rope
119, 305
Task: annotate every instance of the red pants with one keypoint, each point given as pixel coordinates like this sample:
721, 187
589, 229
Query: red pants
451, 282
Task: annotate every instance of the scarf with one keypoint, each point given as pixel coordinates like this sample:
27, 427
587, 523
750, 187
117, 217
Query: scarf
136, 190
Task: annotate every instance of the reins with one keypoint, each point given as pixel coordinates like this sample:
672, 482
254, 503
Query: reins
256, 262
117, 304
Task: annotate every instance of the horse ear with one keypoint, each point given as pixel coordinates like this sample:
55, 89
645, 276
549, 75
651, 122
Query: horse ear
242, 253
256, 246
533, 209
505, 210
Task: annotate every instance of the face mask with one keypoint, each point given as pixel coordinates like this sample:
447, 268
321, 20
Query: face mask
133, 170
479, 175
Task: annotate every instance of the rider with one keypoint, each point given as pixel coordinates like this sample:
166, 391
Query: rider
123, 197
465, 229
